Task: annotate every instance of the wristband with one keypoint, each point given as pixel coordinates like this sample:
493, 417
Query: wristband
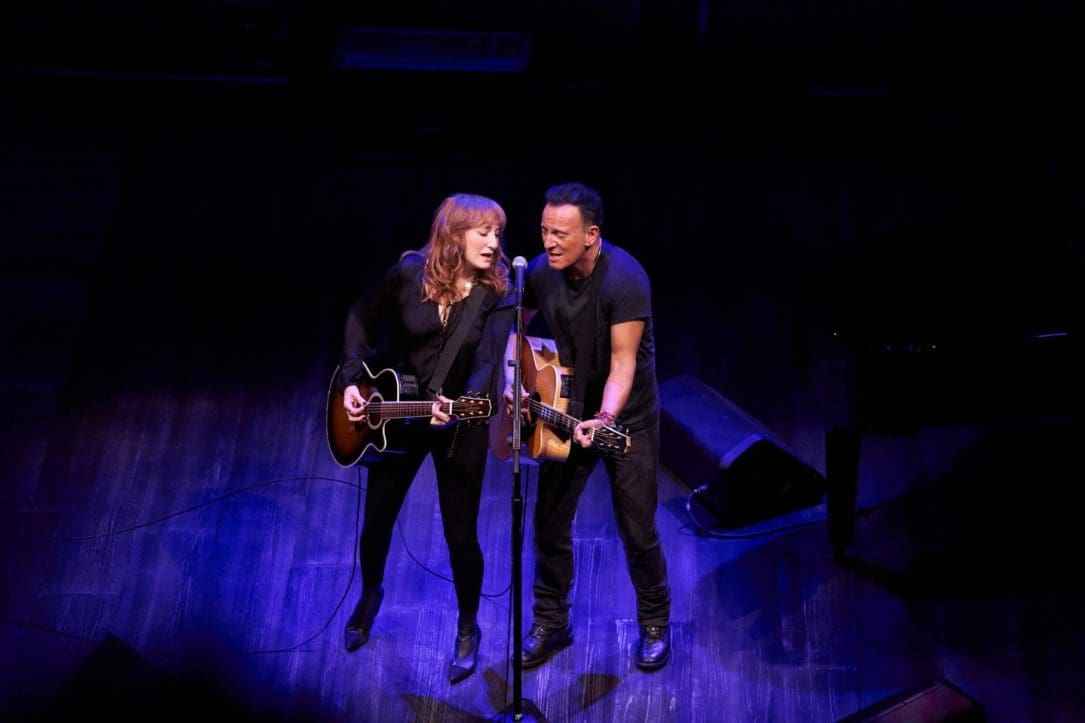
605, 417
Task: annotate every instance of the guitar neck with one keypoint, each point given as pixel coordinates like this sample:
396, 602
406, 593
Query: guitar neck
554, 417
406, 410
606, 439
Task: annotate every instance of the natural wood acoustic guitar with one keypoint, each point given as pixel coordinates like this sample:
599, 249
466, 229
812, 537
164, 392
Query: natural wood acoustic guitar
549, 431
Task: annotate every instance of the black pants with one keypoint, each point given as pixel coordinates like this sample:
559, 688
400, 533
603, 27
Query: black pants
459, 489
634, 493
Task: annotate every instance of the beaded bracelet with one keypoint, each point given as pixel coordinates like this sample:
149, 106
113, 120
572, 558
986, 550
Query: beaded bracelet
605, 417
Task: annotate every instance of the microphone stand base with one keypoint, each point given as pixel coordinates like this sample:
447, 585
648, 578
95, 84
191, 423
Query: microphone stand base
528, 712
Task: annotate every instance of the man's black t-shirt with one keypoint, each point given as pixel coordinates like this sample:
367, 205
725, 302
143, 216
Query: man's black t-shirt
625, 295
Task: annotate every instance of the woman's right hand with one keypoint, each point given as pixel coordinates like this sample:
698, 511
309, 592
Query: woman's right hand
354, 403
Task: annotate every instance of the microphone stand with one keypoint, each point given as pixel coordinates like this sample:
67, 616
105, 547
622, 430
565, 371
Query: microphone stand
520, 710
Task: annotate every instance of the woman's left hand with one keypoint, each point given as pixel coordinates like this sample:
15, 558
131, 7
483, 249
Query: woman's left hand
441, 418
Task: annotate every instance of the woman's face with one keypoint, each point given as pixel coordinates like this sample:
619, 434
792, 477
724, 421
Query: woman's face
481, 246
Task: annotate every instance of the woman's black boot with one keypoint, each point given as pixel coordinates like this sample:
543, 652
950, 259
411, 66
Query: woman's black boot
361, 620
465, 653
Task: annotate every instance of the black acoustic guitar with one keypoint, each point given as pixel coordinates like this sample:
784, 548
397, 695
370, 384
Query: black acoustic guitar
364, 441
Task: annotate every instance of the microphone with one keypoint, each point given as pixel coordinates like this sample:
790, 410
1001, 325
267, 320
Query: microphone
519, 264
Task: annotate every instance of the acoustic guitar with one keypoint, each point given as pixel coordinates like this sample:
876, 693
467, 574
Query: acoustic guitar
365, 440
549, 385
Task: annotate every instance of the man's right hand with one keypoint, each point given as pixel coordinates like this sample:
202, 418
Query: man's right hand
510, 402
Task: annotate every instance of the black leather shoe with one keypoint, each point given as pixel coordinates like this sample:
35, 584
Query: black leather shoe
542, 642
361, 620
465, 653
654, 648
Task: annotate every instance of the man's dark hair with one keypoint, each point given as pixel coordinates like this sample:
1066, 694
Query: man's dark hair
586, 198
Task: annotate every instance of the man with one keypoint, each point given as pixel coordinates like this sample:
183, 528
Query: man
596, 301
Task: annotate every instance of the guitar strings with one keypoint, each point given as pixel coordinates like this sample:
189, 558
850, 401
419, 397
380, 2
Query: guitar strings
556, 418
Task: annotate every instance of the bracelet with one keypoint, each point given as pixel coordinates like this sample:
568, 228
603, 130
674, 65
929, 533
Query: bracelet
605, 417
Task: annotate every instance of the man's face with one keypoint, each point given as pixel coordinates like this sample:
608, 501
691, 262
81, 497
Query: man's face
566, 239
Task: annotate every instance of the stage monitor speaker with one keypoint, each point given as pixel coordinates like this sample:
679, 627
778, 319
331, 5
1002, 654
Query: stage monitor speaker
737, 470
936, 702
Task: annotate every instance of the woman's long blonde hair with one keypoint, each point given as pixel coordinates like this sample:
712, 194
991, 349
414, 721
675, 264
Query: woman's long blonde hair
443, 251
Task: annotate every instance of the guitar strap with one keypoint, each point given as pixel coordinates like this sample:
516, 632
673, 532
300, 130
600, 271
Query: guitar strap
585, 340
452, 346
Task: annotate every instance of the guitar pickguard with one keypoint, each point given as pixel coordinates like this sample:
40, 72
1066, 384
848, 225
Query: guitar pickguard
545, 441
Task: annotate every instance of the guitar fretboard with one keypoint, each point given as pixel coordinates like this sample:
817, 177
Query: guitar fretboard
403, 410
553, 417
380, 410
399, 410
605, 439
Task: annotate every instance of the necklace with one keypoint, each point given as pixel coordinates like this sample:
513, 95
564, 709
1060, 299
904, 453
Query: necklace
444, 309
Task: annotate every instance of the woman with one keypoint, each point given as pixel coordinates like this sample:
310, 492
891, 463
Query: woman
405, 323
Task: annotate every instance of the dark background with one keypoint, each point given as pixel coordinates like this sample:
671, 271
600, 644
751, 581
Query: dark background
215, 174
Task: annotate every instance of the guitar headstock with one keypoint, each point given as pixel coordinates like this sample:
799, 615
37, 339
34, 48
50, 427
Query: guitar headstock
472, 407
611, 439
